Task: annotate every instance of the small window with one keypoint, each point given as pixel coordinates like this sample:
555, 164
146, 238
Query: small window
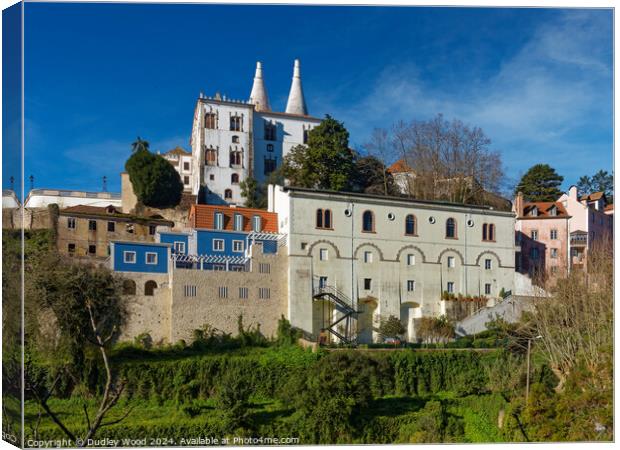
328, 219
323, 254
186, 180
234, 178
322, 282
451, 228
368, 284
264, 268
410, 260
149, 288
92, 225
410, 285
189, 290
235, 139
186, 165
152, 229
129, 257
238, 222
451, 261
485, 232
270, 131
228, 194
129, 287
218, 245
218, 223
368, 222
243, 292
487, 264
238, 246
554, 253
410, 224
270, 165
71, 223
111, 226
491, 232
450, 287
534, 234
129, 228
553, 234
179, 247
270, 148
211, 177
222, 292
319, 218
534, 253
256, 223
487, 288
92, 249
71, 249
151, 258
367, 257
264, 293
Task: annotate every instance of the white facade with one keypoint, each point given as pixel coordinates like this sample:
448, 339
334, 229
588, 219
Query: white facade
386, 271
182, 162
41, 198
236, 139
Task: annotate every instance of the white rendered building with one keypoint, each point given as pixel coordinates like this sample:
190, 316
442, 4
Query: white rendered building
41, 198
236, 139
182, 162
387, 256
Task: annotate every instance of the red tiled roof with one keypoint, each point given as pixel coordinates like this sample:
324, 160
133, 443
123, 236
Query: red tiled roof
203, 216
400, 166
178, 151
544, 209
592, 197
609, 207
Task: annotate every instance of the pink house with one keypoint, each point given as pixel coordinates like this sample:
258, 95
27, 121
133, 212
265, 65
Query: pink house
543, 232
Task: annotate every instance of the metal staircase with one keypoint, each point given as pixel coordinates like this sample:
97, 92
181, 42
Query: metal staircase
344, 304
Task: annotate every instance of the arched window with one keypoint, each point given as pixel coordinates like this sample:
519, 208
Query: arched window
235, 158
491, 232
228, 194
129, 287
234, 178
319, 218
149, 287
451, 228
327, 216
410, 225
485, 232
368, 222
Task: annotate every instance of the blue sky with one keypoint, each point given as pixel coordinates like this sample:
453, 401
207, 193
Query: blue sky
538, 81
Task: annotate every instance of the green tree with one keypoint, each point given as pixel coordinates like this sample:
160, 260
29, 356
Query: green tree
391, 327
601, 181
541, 183
326, 162
254, 193
154, 180
371, 176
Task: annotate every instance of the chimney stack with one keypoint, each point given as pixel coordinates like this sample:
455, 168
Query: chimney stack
258, 96
296, 102
519, 204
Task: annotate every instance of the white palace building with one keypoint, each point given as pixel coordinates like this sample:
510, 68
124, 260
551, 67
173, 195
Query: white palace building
235, 139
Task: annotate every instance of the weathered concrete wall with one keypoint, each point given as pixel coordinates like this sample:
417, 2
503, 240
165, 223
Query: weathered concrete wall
34, 218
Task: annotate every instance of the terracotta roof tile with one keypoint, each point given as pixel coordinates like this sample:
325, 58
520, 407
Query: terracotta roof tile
178, 151
592, 197
400, 166
203, 216
609, 207
544, 209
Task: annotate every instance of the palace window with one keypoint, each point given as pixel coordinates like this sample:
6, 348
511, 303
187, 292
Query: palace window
451, 228
323, 254
238, 246
236, 158
71, 223
234, 178
149, 288
256, 223
368, 222
218, 245
488, 232
236, 123
270, 165
553, 234
151, 258
211, 157
228, 194
238, 222
410, 285
270, 131
410, 225
218, 222
211, 121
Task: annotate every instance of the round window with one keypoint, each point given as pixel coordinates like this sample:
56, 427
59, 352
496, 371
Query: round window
431, 219
391, 216
470, 223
